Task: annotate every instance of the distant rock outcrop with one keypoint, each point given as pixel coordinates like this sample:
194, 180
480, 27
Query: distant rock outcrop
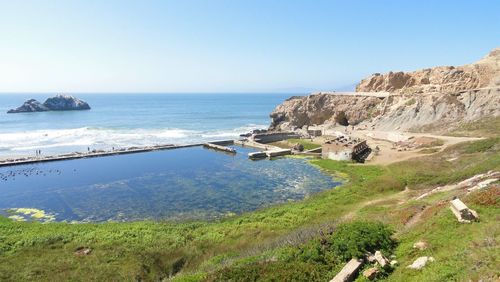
435, 99
57, 103
31, 105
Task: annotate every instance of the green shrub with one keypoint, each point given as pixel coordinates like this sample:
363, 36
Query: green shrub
356, 238
273, 271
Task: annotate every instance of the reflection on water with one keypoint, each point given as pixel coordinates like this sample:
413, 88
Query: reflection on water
190, 183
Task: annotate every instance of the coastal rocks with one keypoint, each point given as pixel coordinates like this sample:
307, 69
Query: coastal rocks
57, 103
297, 112
436, 99
65, 103
420, 262
31, 105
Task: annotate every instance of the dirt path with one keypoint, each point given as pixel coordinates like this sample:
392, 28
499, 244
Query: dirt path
385, 140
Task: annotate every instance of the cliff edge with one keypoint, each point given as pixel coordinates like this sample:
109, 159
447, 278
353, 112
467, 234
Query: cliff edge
433, 99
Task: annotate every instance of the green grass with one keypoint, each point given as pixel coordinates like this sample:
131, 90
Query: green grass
461, 251
308, 145
152, 250
194, 251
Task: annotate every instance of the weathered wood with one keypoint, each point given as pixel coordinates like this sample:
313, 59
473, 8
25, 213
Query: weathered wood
349, 271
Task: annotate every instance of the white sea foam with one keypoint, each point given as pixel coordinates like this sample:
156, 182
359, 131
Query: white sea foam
79, 139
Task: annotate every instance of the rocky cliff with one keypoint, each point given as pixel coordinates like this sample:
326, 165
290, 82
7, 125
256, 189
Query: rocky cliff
431, 99
57, 103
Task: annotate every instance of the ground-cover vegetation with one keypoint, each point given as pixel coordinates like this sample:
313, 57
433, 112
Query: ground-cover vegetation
300, 240
308, 145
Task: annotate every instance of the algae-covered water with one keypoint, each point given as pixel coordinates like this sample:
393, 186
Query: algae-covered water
189, 183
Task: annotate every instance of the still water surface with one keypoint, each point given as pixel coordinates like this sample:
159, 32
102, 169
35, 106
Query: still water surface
189, 183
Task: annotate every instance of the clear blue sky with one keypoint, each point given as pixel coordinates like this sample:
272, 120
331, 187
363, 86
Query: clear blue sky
231, 45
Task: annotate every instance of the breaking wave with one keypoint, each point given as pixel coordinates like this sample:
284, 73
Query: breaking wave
79, 139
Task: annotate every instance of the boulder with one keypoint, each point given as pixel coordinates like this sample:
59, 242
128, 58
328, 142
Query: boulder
420, 262
371, 273
31, 105
298, 147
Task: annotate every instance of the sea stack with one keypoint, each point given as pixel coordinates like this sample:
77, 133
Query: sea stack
57, 103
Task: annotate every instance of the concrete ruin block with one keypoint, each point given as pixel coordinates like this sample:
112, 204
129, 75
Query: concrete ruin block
370, 257
349, 271
462, 212
420, 262
371, 273
384, 262
482, 184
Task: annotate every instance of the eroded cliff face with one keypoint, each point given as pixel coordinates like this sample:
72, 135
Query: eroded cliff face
431, 99
445, 80
317, 109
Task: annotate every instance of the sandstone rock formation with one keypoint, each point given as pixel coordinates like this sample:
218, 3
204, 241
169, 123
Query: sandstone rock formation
297, 112
445, 79
57, 103
435, 99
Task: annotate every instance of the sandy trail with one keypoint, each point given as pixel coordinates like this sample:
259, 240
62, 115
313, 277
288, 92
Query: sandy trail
385, 140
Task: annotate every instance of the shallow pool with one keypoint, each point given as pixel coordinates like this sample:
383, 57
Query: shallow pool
188, 183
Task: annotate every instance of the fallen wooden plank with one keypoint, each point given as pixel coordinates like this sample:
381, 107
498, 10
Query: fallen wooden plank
349, 271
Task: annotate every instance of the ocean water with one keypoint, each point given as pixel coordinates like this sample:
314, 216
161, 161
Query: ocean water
179, 184
120, 120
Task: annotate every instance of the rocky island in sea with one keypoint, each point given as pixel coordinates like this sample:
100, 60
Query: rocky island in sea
57, 103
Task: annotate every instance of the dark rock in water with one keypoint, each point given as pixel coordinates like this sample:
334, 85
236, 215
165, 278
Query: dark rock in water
31, 105
65, 103
57, 103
